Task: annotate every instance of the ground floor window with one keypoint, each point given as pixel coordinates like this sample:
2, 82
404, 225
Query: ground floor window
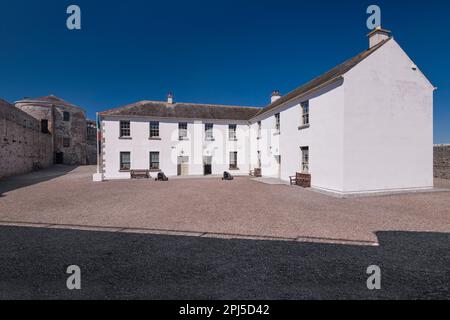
125, 161
154, 160
305, 159
233, 160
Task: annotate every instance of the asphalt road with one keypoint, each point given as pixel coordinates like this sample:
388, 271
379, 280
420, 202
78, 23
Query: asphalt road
141, 266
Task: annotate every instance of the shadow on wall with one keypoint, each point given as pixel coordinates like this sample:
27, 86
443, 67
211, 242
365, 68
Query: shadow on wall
130, 266
28, 179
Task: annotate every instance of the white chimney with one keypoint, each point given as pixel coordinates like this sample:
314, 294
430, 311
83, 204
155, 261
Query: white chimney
170, 98
275, 96
378, 35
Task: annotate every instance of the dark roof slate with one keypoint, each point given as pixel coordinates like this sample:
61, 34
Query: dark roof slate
161, 109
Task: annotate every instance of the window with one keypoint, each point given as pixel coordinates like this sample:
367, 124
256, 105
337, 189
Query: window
305, 113
154, 129
182, 131
209, 131
125, 161
66, 116
259, 159
125, 129
91, 131
259, 129
277, 123
305, 159
44, 126
154, 160
66, 142
232, 132
233, 160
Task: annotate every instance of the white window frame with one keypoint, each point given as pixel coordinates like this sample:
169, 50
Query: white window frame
209, 131
123, 129
182, 132
233, 160
305, 159
305, 113
151, 162
121, 163
277, 123
154, 129
232, 128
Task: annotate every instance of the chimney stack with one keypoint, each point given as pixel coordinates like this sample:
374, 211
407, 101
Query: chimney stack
170, 98
275, 96
378, 35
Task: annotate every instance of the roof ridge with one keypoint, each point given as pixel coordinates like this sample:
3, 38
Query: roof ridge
333, 73
143, 102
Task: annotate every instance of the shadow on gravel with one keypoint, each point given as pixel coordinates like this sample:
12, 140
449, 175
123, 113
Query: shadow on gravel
28, 179
136, 266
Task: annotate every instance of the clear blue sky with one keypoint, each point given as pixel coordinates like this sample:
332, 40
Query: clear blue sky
226, 52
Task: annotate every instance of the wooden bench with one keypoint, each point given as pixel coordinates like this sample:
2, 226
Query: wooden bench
136, 174
301, 179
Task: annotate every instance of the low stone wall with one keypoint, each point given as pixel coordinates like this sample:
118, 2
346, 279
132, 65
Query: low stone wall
23, 147
442, 161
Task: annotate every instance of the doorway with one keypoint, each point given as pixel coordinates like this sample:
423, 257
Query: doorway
207, 166
183, 166
278, 166
59, 157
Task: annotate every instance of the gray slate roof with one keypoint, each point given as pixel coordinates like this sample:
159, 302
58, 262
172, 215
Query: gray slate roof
219, 112
161, 109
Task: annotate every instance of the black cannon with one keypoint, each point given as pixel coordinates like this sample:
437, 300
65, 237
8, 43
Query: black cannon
161, 177
227, 176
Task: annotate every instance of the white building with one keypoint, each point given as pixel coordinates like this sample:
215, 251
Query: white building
364, 126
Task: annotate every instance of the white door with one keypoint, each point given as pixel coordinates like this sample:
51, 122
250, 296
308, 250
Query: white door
278, 166
183, 166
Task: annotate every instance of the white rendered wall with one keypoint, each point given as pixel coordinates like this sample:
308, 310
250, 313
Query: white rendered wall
388, 132
170, 147
324, 138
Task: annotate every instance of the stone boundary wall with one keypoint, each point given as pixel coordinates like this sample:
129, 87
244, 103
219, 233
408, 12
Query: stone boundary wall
23, 147
442, 161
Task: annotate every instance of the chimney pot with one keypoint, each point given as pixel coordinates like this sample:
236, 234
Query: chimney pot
378, 35
170, 98
275, 96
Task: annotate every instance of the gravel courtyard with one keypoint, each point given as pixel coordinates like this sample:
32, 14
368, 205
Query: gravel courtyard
64, 198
